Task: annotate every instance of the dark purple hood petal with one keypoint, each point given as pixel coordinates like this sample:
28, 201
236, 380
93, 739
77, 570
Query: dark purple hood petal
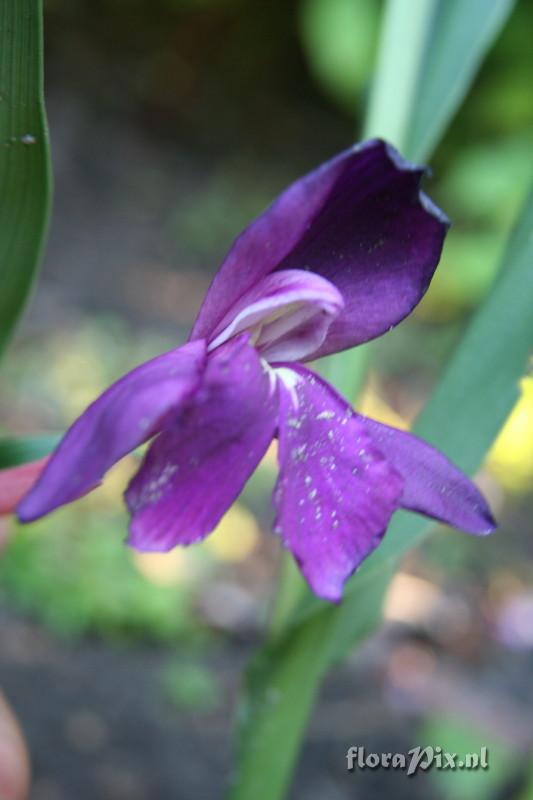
361, 221
193, 472
433, 485
131, 411
335, 492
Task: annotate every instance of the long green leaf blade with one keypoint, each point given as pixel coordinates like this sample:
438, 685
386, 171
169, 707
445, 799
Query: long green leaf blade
430, 52
461, 35
398, 69
24, 157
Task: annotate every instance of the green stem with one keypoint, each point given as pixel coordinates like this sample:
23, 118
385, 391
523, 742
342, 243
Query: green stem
405, 34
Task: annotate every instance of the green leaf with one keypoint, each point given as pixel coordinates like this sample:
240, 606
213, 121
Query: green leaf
478, 390
403, 43
24, 157
19, 451
430, 53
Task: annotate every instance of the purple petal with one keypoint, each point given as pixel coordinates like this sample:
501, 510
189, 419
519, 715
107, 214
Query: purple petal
194, 471
336, 492
131, 411
361, 222
288, 314
433, 485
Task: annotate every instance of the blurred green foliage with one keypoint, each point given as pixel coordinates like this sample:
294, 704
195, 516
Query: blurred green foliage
339, 38
455, 735
219, 207
191, 686
73, 572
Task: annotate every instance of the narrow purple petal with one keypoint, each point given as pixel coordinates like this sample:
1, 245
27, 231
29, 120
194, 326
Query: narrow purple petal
433, 485
287, 313
127, 414
194, 471
335, 492
360, 221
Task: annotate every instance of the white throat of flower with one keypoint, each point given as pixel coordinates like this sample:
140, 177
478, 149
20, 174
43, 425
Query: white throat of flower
287, 314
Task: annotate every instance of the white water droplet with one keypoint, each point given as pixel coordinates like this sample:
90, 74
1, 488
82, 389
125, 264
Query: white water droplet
326, 415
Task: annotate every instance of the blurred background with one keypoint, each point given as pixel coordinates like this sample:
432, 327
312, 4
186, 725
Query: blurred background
173, 123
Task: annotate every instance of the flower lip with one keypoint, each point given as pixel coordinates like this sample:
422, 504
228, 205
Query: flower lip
288, 314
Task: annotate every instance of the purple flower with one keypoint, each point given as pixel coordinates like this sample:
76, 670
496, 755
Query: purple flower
342, 256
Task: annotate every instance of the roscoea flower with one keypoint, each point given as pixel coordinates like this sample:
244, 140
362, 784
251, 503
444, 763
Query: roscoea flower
341, 256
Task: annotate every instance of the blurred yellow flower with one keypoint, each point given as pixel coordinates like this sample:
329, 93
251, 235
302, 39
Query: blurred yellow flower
235, 536
373, 405
76, 374
232, 541
116, 481
510, 459
164, 569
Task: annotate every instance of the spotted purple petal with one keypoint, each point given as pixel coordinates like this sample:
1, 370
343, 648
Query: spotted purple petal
127, 414
335, 492
194, 471
432, 484
360, 221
